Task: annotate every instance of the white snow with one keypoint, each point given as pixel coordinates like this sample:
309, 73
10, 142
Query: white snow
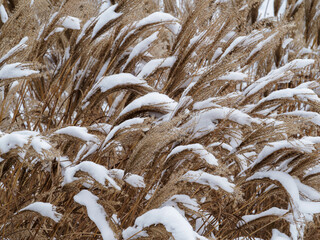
298, 3
196, 38
205, 104
116, 173
213, 181
96, 213
104, 5
11, 141
78, 132
126, 124
254, 37
21, 45
234, 76
286, 42
71, 22
160, 17
151, 99
108, 15
87, 149
274, 211
266, 9
206, 120
56, 30
15, 70
309, 84
132, 179
168, 216
96, 171
84, 28
289, 184
45, 209
301, 63
235, 42
277, 235
3, 14
217, 54
282, 73
306, 51
260, 45
101, 127
221, 144
185, 200
155, 64
39, 144
198, 149
304, 144
307, 191
20, 138
135, 180
117, 80
282, 9
303, 94
141, 47
309, 116
228, 36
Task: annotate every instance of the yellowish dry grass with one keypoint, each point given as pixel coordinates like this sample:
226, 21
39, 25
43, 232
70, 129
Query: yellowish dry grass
70, 62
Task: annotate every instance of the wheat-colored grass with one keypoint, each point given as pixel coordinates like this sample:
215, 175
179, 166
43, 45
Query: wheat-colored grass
71, 62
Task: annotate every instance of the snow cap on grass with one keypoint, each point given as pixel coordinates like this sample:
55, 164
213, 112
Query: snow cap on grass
309, 116
104, 5
151, 99
39, 144
71, 22
78, 132
56, 30
307, 191
20, 138
141, 47
15, 70
274, 211
303, 94
135, 180
234, 76
304, 144
185, 200
155, 64
290, 185
21, 45
235, 43
117, 80
45, 209
96, 171
11, 141
160, 17
261, 44
105, 17
96, 213
205, 122
198, 149
276, 74
266, 9
84, 28
124, 125
213, 181
172, 220
277, 235
3, 14
132, 179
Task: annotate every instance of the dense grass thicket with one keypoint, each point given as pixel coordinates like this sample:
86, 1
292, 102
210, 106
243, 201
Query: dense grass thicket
149, 119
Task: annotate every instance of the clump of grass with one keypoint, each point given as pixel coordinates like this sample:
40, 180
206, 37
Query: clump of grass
204, 110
